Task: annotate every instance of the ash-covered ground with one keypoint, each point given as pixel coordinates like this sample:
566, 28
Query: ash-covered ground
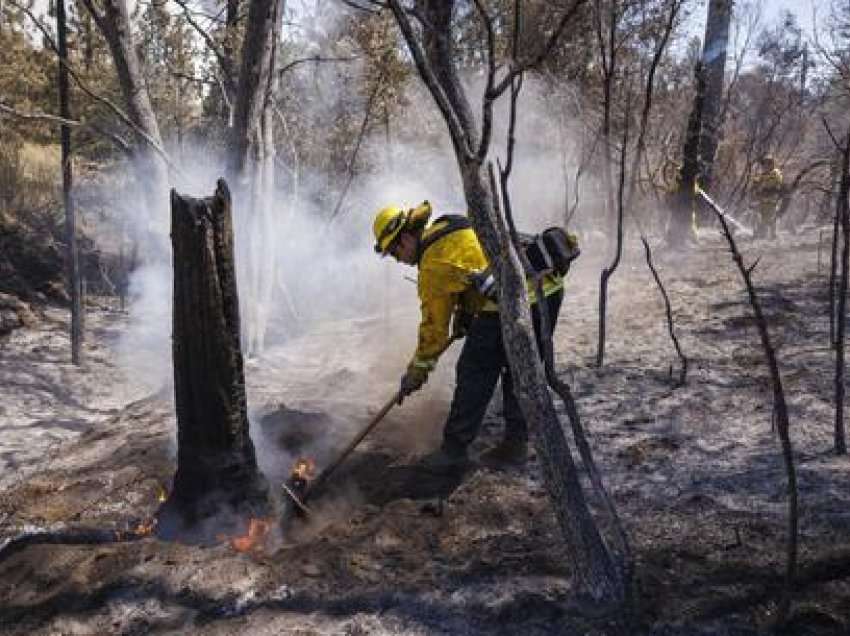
695, 471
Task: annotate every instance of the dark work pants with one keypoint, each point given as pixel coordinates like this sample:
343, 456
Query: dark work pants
482, 361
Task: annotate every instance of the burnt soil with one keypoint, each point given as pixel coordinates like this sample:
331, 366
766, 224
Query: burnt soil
695, 472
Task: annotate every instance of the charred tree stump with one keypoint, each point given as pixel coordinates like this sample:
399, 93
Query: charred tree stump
217, 473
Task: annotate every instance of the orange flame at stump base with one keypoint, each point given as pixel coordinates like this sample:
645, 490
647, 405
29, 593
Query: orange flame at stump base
255, 539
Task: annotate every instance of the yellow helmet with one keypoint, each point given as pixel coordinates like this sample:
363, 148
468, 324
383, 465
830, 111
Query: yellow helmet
390, 221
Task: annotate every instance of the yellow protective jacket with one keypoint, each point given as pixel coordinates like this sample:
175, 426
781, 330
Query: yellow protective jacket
767, 187
444, 287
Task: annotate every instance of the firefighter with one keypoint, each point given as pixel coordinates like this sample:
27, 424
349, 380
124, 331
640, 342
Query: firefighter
767, 191
452, 298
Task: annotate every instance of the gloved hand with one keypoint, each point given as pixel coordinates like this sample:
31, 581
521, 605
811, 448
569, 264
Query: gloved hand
411, 381
461, 321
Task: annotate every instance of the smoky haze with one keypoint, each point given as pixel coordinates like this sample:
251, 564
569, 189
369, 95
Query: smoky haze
343, 321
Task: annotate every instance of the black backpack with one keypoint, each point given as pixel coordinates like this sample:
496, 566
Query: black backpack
550, 252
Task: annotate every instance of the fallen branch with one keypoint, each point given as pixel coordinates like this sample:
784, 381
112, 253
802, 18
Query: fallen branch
73, 536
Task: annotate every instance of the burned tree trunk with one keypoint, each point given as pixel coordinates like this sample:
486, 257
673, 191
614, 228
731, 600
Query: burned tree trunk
216, 464
714, 53
680, 230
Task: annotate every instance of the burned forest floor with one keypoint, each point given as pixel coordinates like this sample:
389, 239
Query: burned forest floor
695, 471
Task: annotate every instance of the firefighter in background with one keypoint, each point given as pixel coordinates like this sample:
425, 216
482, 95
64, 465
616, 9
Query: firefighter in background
453, 292
767, 192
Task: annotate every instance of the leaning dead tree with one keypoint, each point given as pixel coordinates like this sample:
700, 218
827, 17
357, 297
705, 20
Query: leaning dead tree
780, 411
216, 463
432, 47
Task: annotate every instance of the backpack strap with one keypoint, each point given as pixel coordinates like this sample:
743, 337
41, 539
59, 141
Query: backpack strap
453, 223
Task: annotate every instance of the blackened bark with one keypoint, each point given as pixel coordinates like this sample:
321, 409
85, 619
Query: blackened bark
216, 462
679, 231
843, 213
73, 257
714, 53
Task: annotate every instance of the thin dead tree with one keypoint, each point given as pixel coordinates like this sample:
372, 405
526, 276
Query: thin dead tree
683, 372
663, 38
73, 257
216, 462
432, 49
607, 272
780, 411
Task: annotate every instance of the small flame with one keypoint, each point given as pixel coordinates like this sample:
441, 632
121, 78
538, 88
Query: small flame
304, 468
146, 527
255, 539
162, 495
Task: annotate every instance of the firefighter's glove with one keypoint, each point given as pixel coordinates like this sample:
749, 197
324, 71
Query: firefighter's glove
461, 322
411, 381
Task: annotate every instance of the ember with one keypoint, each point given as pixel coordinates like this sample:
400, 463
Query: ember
146, 527
255, 539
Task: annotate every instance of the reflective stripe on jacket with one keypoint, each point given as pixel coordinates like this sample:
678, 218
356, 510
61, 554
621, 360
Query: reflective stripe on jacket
444, 287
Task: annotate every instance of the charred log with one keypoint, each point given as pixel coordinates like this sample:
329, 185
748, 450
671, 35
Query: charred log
216, 463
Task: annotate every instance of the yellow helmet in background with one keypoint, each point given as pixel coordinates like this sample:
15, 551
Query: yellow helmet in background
390, 221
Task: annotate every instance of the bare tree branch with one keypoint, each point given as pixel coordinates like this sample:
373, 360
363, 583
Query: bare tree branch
522, 66
314, 58
350, 168
224, 61
487, 111
118, 112
354, 5
459, 135
37, 116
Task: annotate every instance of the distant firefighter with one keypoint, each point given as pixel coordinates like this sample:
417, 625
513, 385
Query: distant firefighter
766, 192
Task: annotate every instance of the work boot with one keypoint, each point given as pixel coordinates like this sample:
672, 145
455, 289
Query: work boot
508, 452
441, 462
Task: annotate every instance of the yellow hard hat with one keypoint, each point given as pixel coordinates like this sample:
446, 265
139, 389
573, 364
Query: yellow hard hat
388, 223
